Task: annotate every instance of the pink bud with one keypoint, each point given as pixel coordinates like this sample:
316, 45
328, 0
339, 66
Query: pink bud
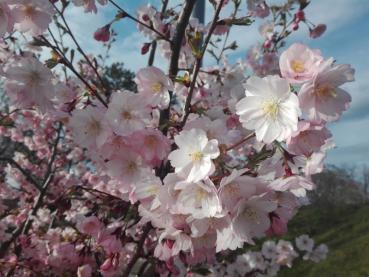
299, 16
278, 227
267, 44
107, 265
318, 31
103, 34
84, 271
295, 26
145, 17
145, 48
169, 243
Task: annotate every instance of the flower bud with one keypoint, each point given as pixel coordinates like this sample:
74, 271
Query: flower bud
103, 34
318, 31
145, 48
267, 44
84, 271
299, 16
295, 26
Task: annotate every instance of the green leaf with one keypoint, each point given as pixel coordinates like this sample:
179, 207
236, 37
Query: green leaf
242, 21
51, 63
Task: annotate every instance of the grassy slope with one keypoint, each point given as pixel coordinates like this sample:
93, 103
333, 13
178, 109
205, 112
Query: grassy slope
346, 232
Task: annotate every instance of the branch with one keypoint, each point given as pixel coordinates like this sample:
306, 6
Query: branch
25, 172
176, 50
68, 64
139, 22
187, 108
24, 228
240, 142
138, 252
233, 16
79, 48
154, 43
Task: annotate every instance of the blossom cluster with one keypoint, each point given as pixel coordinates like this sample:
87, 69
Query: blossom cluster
272, 257
193, 165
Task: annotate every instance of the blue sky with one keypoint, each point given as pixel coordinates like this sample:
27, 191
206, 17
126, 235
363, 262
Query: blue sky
347, 40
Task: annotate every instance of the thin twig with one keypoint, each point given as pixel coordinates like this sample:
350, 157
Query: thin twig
240, 142
176, 50
23, 229
187, 108
67, 63
25, 173
140, 22
79, 48
154, 44
138, 251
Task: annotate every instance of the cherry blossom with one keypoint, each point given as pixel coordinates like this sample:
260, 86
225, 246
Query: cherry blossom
299, 64
89, 127
188, 167
126, 113
154, 86
89, 5
6, 19
30, 82
269, 108
32, 16
194, 157
322, 98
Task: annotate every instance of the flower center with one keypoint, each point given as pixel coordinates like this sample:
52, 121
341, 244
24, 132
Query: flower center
200, 194
152, 190
251, 214
325, 91
196, 156
297, 66
127, 115
233, 189
131, 167
94, 126
33, 78
157, 87
29, 11
150, 141
271, 108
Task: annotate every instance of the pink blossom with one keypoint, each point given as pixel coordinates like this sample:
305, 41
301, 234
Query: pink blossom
236, 187
127, 167
286, 253
154, 86
103, 33
299, 64
89, 5
151, 144
258, 8
295, 184
198, 199
29, 83
32, 16
89, 128
110, 243
90, 225
309, 138
84, 271
127, 113
322, 98
6, 19
318, 30
304, 243
269, 108
252, 217
193, 159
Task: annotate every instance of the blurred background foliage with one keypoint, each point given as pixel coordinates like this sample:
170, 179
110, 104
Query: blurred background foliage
338, 217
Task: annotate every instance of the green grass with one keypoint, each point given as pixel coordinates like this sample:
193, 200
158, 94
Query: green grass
345, 230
